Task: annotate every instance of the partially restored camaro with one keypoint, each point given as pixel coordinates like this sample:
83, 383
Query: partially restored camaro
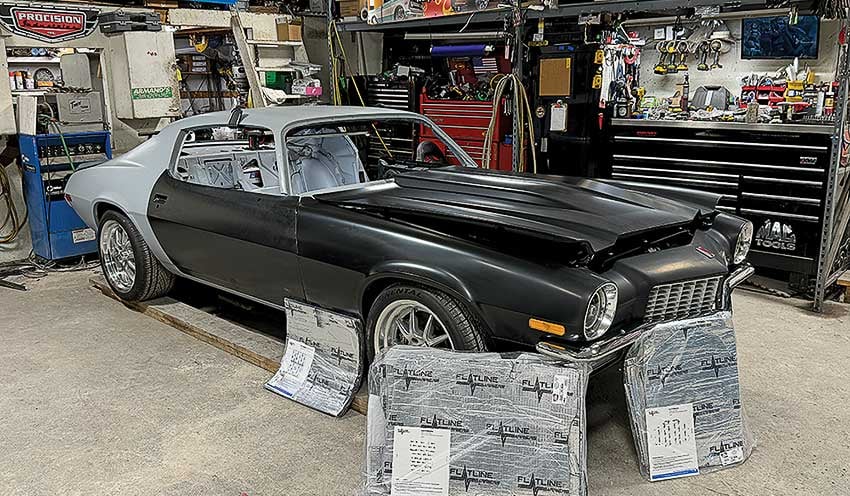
322, 205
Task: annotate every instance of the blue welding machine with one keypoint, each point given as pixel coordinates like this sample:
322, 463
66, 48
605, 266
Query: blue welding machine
48, 160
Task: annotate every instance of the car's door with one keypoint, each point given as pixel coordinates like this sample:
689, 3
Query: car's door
228, 235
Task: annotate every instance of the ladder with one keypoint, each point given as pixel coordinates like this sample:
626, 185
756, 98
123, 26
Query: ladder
258, 100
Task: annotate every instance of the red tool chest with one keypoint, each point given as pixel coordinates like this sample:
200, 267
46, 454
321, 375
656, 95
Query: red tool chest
466, 122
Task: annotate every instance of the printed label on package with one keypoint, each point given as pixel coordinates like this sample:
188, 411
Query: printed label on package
564, 387
420, 462
294, 368
672, 445
733, 455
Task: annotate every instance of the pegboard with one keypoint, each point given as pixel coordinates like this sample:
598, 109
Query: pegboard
734, 68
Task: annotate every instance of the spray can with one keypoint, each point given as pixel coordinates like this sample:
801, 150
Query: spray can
686, 90
12, 80
19, 80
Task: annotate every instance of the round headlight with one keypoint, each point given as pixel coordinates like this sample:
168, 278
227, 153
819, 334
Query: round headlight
742, 247
600, 311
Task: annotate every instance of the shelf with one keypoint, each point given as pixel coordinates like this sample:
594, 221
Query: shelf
296, 97
484, 16
274, 43
566, 10
619, 6
37, 92
284, 68
32, 60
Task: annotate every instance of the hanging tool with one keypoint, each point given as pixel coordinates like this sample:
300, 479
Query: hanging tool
715, 46
661, 66
682, 48
702, 50
672, 48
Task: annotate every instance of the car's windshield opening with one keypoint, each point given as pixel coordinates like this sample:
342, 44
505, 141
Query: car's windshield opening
331, 155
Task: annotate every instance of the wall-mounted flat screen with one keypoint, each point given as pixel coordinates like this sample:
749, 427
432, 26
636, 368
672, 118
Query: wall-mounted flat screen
775, 38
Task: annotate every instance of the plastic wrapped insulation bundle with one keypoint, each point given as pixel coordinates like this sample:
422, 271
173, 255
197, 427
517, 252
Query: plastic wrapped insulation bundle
516, 423
691, 363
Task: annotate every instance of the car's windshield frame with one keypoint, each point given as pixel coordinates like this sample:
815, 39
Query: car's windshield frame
285, 168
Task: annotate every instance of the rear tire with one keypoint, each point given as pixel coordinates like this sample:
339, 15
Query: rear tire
123, 248
463, 329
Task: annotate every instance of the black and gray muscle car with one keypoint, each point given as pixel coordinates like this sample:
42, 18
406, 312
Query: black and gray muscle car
378, 214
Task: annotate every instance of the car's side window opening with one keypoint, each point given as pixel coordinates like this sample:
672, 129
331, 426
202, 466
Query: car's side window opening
331, 156
321, 158
242, 158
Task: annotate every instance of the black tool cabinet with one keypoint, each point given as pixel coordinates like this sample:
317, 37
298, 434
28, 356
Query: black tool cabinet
771, 174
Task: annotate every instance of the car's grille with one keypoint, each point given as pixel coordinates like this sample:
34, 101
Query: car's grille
683, 299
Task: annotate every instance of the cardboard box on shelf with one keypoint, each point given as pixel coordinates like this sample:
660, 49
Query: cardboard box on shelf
350, 8
287, 31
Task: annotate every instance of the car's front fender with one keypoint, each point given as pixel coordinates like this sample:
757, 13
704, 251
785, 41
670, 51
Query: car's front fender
390, 272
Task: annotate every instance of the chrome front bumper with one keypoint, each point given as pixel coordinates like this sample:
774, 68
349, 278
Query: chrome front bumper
605, 348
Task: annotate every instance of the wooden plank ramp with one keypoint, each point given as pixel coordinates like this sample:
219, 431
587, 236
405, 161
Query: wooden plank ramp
250, 345
844, 281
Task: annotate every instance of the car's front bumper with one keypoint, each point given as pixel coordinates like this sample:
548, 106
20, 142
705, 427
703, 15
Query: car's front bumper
603, 349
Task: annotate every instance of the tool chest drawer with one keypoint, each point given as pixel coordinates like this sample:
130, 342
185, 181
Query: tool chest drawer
389, 94
460, 119
389, 137
772, 175
466, 122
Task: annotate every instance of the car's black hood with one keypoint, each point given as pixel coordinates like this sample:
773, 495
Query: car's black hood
569, 209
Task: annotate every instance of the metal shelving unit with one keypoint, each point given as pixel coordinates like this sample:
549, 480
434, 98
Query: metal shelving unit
568, 10
834, 256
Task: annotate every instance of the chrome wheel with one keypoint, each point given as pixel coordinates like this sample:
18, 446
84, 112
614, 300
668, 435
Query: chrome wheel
412, 323
116, 252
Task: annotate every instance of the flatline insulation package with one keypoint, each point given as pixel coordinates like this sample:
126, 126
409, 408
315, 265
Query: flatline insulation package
516, 424
694, 364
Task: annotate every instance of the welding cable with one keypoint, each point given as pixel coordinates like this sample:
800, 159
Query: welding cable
12, 221
524, 118
353, 82
52, 266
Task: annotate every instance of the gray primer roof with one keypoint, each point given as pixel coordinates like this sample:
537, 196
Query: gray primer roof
276, 118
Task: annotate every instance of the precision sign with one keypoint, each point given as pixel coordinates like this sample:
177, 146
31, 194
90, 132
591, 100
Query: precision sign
49, 24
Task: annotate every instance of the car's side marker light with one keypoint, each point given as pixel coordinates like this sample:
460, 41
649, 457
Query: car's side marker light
549, 327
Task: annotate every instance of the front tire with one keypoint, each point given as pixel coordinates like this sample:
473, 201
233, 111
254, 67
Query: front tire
129, 267
417, 316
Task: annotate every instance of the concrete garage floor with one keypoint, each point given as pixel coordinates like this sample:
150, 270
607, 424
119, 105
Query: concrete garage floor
98, 399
